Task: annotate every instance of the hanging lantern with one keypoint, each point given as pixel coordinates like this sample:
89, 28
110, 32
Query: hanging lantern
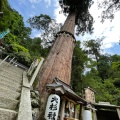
52, 107
87, 115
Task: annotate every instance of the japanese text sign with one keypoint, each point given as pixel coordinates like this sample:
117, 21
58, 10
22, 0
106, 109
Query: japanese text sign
52, 108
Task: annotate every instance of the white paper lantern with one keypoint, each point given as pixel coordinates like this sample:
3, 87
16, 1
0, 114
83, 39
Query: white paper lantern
52, 107
87, 115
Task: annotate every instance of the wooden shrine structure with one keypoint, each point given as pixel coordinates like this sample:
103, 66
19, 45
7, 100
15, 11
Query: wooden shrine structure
71, 104
74, 107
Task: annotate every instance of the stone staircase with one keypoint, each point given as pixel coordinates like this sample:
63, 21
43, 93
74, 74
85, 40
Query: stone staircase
10, 90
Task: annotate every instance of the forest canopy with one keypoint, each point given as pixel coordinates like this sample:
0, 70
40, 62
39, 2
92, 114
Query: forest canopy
18, 42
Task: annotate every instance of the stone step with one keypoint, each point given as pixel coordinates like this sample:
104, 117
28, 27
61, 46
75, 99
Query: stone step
10, 87
17, 81
10, 75
13, 67
9, 94
10, 83
8, 103
6, 114
7, 71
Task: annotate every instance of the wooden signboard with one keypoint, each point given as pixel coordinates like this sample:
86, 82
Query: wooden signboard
89, 95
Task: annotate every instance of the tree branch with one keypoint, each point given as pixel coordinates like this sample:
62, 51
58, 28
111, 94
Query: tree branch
117, 1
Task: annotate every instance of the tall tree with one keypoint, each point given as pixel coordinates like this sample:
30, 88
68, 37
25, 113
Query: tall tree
104, 67
58, 62
93, 48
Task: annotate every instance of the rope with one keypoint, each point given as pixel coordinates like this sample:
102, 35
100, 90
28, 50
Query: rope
61, 32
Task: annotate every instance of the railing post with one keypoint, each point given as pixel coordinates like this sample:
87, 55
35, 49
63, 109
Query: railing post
32, 67
4, 59
36, 72
10, 61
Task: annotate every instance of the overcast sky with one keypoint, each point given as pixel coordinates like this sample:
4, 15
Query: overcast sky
111, 30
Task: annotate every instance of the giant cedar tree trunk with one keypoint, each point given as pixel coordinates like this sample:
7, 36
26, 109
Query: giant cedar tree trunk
58, 62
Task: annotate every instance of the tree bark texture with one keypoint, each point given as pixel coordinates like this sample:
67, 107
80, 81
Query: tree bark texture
59, 60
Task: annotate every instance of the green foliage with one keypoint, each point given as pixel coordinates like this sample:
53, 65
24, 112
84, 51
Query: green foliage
116, 82
10, 38
116, 65
107, 92
40, 22
102, 61
17, 48
18, 42
103, 67
93, 47
20, 53
115, 62
79, 59
102, 75
24, 56
110, 7
14, 21
84, 20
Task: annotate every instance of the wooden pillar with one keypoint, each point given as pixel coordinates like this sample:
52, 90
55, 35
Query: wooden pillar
76, 111
62, 112
80, 114
94, 115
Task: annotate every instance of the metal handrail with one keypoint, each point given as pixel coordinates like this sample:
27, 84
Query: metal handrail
11, 60
20, 65
4, 60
